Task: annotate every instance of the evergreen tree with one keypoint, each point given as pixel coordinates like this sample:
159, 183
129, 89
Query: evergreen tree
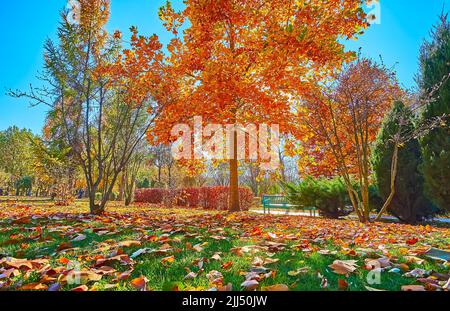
409, 203
434, 66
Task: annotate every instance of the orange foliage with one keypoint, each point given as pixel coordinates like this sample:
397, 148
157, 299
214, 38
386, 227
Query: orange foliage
245, 61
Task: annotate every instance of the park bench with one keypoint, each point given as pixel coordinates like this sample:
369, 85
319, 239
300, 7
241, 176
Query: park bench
281, 202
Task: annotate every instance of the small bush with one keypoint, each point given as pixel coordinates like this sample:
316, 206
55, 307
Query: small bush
214, 198
329, 196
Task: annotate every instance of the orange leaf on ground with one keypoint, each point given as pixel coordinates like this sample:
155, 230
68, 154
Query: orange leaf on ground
139, 283
276, 288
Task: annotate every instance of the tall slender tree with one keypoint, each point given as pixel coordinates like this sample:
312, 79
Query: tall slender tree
98, 94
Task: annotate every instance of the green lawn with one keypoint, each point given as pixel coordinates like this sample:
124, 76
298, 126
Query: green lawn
209, 249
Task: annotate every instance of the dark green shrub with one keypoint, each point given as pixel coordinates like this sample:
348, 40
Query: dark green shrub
434, 66
329, 196
24, 186
375, 200
409, 203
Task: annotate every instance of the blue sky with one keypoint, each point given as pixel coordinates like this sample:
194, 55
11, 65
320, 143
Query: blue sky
25, 24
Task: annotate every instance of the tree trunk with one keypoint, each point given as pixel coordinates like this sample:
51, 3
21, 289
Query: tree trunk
95, 209
393, 177
122, 187
234, 181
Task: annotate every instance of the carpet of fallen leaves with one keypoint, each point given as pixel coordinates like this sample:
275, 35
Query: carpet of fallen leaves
149, 248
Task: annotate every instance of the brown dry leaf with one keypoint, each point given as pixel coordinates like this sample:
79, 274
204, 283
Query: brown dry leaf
199, 247
343, 266
104, 270
19, 263
217, 257
123, 259
250, 285
215, 277
64, 246
276, 288
129, 243
257, 261
34, 286
190, 276
225, 288
413, 288
124, 275
414, 259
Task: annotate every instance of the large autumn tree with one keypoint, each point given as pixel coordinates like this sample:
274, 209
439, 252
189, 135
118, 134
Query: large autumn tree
246, 61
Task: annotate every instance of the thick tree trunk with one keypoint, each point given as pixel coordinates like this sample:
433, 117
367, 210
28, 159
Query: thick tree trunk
94, 208
234, 178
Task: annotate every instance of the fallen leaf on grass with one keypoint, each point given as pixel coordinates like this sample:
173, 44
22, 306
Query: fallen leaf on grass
82, 277
34, 286
169, 259
413, 288
276, 288
190, 276
227, 265
79, 237
217, 257
250, 285
412, 241
64, 246
323, 280
417, 273
225, 288
129, 243
371, 289
215, 277
199, 247
342, 284
298, 271
139, 283
81, 288
414, 259
344, 267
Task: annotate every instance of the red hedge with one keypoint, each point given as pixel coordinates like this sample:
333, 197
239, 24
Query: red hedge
204, 197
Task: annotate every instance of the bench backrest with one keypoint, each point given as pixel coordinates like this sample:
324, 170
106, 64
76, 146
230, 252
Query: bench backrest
274, 199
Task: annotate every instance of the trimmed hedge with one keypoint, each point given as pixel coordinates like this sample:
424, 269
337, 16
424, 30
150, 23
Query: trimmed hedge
214, 198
